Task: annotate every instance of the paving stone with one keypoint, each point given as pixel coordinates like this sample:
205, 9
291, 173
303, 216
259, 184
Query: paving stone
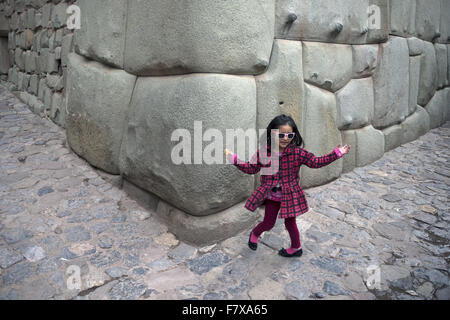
104, 259
105, 242
160, 264
127, 290
329, 264
8, 257
44, 190
34, 254
208, 261
182, 252
49, 265
334, 289
17, 273
116, 272
14, 235
296, 290
222, 295
76, 234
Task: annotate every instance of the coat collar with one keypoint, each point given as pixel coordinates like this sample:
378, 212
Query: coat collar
289, 148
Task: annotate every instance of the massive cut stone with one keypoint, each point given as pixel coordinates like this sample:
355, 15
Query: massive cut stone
415, 46
415, 125
403, 17
365, 60
207, 229
393, 137
355, 104
370, 145
414, 77
328, 66
101, 36
349, 160
428, 16
321, 135
161, 105
280, 88
438, 108
339, 21
428, 74
441, 60
183, 36
391, 83
97, 101
444, 28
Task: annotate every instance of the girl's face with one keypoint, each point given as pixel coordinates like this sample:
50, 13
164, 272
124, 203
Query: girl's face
283, 142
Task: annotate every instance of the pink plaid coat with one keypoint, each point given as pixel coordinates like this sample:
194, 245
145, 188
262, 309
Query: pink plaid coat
293, 202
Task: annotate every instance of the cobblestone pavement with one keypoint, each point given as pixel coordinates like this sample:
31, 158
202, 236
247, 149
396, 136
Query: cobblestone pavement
378, 232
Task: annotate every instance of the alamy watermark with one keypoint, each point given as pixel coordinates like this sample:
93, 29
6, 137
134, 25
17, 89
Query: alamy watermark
213, 153
74, 17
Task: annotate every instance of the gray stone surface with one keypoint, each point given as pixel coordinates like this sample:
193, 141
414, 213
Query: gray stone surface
328, 66
102, 32
95, 121
161, 171
208, 261
428, 74
355, 103
317, 19
391, 83
321, 113
244, 30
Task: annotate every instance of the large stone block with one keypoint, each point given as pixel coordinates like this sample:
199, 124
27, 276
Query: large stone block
428, 74
365, 60
339, 21
415, 46
349, 160
355, 104
150, 158
97, 102
280, 88
320, 136
438, 108
428, 16
403, 17
206, 230
393, 137
4, 55
184, 36
444, 28
414, 77
415, 125
391, 83
370, 145
58, 109
101, 36
328, 66
441, 60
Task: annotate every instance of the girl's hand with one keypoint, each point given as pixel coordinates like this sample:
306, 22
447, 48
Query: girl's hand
227, 152
345, 149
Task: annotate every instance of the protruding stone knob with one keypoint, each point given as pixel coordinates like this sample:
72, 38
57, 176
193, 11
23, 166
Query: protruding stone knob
291, 18
338, 27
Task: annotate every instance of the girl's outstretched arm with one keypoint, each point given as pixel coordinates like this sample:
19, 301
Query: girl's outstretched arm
310, 160
251, 167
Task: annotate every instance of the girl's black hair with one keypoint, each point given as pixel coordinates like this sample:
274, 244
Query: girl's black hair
281, 120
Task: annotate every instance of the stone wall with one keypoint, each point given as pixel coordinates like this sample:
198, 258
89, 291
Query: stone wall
370, 73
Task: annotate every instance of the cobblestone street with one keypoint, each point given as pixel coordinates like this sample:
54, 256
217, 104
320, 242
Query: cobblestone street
378, 232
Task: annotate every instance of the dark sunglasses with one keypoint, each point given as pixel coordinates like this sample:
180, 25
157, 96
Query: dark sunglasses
290, 135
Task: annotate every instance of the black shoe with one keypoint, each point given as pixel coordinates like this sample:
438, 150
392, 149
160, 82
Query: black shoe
252, 245
283, 253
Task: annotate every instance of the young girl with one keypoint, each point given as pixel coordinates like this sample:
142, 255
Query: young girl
281, 192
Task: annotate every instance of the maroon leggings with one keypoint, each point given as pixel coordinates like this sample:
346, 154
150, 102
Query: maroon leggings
270, 217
